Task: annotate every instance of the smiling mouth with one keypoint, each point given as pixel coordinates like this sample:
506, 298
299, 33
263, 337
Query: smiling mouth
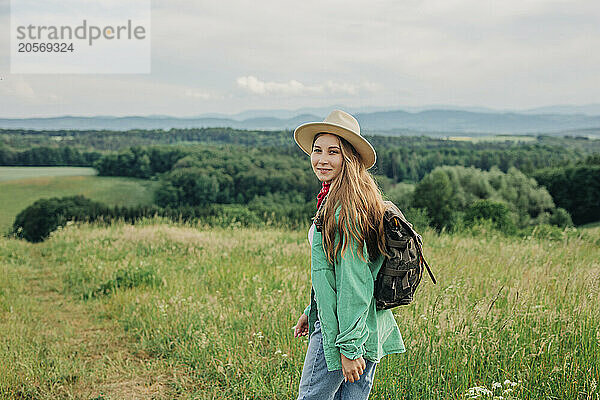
323, 170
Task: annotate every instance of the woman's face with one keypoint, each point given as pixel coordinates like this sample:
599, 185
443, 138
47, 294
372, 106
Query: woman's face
326, 157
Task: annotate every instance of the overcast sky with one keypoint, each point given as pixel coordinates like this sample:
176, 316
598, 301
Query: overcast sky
229, 56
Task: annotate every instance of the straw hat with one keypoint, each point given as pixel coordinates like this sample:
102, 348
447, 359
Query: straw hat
339, 123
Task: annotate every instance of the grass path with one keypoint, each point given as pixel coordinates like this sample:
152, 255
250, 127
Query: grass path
80, 354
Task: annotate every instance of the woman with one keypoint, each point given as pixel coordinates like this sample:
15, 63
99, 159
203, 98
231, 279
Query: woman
348, 336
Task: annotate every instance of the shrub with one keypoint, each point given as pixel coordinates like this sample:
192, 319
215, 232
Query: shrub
233, 214
561, 218
498, 213
35, 222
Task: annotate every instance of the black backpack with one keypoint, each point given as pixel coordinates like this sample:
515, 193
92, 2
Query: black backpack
401, 273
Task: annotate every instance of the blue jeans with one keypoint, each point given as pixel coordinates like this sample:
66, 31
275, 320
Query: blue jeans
320, 384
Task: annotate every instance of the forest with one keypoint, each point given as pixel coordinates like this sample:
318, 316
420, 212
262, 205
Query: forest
440, 183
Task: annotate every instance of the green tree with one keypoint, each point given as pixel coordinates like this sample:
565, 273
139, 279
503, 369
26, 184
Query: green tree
498, 213
434, 193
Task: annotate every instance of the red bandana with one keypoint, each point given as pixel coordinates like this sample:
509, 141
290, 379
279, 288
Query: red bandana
322, 193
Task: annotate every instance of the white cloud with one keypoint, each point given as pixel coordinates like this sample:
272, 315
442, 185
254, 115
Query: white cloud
293, 87
254, 85
198, 94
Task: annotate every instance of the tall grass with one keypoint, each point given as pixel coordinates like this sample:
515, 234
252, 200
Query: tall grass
220, 305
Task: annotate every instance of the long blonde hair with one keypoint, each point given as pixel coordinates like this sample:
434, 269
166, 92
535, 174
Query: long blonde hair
362, 208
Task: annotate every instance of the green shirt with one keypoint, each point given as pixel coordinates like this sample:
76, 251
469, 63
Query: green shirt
343, 296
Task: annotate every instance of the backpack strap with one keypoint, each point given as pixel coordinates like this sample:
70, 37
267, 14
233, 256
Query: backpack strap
318, 221
419, 243
395, 243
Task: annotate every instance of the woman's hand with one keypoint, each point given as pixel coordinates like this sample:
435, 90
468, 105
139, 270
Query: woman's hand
301, 328
353, 369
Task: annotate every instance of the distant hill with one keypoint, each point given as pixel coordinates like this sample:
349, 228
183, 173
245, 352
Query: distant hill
481, 122
434, 120
153, 122
590, 109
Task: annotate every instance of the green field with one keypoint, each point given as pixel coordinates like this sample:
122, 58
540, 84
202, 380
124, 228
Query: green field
13, 173
161, 311
18, 193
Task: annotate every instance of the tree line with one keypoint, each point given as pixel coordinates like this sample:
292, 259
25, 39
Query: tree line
440, 183
400, 158
108, 140
49, 157
397, 164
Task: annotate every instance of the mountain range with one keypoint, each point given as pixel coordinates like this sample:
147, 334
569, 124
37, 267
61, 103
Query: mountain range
474, 120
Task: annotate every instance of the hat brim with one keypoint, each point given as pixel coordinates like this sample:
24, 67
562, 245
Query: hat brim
305, 133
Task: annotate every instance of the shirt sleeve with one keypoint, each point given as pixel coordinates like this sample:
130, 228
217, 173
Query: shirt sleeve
307, 310
355, 285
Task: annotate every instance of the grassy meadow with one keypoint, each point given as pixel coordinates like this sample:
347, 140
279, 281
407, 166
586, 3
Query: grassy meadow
12, 173
161, 310
22, 186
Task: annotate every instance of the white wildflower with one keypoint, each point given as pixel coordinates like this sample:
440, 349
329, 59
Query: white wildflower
277, 351
258, 335
477, 391
496, 385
